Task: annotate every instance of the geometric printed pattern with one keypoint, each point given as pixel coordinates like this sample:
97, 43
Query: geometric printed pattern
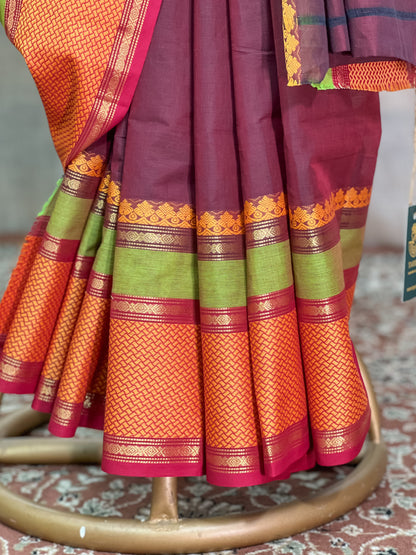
56, 68
64, 328
393, 75
278, 373
336, 395
84, 350
228, 391
154, 381
30, 331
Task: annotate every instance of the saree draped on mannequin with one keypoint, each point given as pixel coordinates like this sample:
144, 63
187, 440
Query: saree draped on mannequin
187, 287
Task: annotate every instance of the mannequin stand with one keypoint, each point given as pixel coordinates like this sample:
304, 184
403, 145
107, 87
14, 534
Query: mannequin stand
164, 532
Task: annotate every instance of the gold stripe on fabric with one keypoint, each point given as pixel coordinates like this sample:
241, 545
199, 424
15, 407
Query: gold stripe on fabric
47, 390
232, 464
155, 240
82, 266
117, 72
272, 304
83, 171
316, 240
263, 234
221, 247
110, 216
275, 449
352, 218
329, 309
223, 320
63, 415
71, 185
332, 442
149, 308
151, 451
154, 450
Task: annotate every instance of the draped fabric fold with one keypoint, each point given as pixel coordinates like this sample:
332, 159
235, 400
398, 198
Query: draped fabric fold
187, 288
351, 44
85, 59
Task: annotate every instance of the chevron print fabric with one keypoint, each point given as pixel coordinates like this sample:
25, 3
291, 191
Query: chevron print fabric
363, 45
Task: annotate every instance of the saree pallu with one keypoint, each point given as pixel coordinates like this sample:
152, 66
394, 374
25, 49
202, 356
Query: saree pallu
187, 288
85, 59
351, 44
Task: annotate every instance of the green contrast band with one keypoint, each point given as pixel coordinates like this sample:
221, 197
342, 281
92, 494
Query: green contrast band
50, 203
147, 273
352, 246
269, 269
319, 276
222, 283
327, 82
2, 10
69, 217
91, 238
104, 259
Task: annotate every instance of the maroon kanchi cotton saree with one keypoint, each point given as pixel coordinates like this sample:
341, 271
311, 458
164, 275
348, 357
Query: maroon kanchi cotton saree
187, 287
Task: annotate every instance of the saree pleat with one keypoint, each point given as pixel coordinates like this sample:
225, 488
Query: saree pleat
188, 287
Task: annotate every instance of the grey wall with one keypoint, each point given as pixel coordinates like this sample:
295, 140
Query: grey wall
29, 166
389, 203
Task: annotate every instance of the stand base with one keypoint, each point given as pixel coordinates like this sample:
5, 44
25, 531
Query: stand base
164, 532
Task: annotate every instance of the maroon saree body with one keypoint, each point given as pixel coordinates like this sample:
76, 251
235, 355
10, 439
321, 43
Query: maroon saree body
187, 288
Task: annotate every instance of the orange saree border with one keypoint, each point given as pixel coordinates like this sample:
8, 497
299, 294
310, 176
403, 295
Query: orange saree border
130, 456
86, 68
123, 71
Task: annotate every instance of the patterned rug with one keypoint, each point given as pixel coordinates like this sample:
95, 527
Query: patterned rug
384, 331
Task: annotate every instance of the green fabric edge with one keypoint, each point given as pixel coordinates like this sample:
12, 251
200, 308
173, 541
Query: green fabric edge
48, 205
104, 258
92, 236
326, 84
269, 269
2, 10
352, 246
320, 275
69, 216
